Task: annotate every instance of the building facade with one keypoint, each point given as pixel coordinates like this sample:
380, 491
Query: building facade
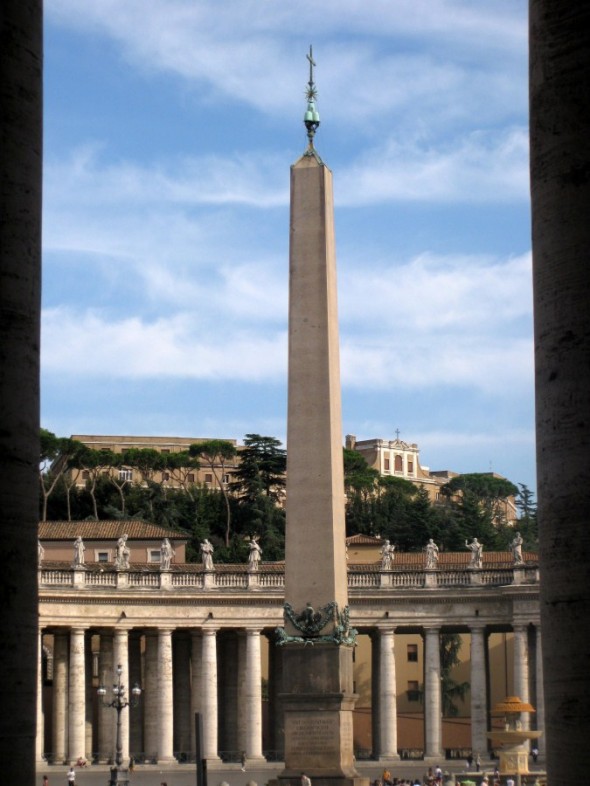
210, 476
200, 640
400, 459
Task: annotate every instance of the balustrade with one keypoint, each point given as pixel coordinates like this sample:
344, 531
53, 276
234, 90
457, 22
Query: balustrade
358, 578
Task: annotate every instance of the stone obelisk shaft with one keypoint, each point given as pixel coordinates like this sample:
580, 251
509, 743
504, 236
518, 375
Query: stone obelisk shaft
318, 686
315, 539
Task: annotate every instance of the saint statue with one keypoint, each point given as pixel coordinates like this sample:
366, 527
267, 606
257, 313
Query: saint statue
516, 547
123, 553
476, 549
431, 554
254, 555
79, 549
207, 555
387, 553
166, 554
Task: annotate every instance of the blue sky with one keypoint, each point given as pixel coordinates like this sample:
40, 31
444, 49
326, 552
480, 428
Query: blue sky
170, 127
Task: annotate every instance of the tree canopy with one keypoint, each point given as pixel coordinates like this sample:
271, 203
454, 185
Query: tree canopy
230, 513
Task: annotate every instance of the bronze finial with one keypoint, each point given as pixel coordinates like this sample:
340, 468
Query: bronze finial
311, 118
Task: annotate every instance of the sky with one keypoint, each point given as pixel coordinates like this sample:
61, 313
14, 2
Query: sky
170, 129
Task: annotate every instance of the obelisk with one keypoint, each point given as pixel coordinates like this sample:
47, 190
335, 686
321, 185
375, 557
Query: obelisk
317, 641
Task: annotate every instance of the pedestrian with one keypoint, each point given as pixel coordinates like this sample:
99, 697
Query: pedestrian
535, 754
243, 761
386, 777
71, 776
305, 781
45, 780
131, 764
477, 763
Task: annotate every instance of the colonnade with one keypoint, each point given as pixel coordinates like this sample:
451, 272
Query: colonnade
178, 675
527, 643
218, 672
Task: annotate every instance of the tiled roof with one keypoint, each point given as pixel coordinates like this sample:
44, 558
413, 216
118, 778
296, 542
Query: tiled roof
451, 559
105, 530
363, 540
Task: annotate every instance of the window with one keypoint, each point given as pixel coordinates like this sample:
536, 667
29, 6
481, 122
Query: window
190, 478
410, 467
125, 474
227, 478
154, 555
399, 464
165, 476
386, 465
85, 474
165, 450
208, 478
413, 690
102, 556
413, 653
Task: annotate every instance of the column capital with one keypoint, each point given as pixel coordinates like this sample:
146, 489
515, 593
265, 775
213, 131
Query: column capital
385, 627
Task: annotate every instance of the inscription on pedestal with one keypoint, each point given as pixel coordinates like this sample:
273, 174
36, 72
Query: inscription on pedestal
312, 733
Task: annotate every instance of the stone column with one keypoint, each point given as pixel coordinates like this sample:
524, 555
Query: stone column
106, 716
231, 678
60, 696
521, 668
253, 696
136, 717
479, 741
166, 709
432, 697
182, 692
150, 695
90, 698
209, 693
196, 657
121, 658
540, 706
275, 701
40, 737
387, 695
375, 694
77, 696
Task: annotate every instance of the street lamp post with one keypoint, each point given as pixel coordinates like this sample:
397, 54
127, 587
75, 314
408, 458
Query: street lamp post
118, 703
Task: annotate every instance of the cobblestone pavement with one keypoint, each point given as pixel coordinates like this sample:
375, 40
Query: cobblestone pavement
185, 775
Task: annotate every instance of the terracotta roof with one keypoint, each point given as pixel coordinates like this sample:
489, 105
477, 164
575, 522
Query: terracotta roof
363, 540
451, 559
105, 530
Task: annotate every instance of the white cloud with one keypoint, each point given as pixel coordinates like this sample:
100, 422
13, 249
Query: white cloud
91, 345
455, 322
481, 167
246, 49
438, 295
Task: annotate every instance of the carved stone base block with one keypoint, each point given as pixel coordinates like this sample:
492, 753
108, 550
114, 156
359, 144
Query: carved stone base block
514, 759
318, 716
